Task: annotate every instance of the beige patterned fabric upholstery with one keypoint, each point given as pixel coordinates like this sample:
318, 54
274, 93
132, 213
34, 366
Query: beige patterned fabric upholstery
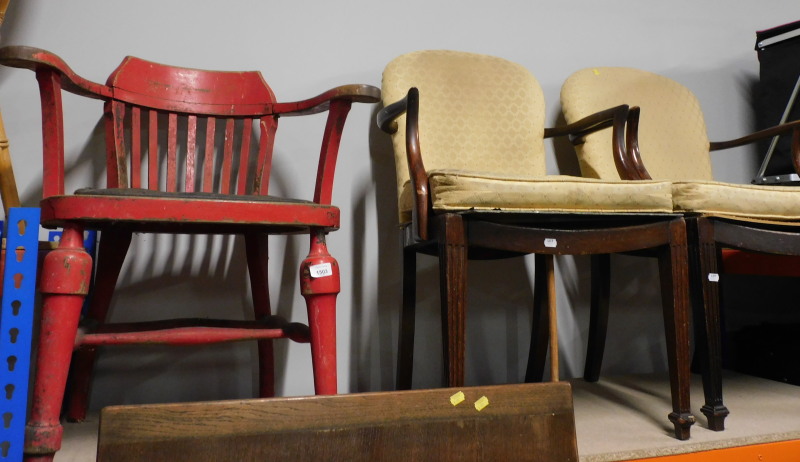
481, 134
672, 131
673, 142
452, 190
775, 203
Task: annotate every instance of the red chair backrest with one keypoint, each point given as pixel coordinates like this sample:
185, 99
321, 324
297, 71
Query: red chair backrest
187, 130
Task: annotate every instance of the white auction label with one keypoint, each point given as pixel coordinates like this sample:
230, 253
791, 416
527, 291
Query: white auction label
320, 271
550, 242
713, 277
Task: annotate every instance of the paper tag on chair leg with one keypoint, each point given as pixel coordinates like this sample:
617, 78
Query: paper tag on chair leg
320, 271
713, 277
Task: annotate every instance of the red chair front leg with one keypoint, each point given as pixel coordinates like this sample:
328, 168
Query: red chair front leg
65, 277
319, 285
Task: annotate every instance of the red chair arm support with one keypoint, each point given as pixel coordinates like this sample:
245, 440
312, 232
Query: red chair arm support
53, 75
337, 102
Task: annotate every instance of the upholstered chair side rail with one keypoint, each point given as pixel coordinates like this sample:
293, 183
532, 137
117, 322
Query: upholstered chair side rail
419, 177
632, 144
782, 129
615, 118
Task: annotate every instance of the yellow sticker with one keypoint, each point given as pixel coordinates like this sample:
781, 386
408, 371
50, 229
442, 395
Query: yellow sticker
596, 72
458, 398
481, 403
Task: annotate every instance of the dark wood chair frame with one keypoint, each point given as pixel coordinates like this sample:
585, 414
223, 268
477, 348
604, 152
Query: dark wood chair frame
456, 237
707, 235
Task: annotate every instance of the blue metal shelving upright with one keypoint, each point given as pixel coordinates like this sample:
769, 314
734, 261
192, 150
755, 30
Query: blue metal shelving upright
16, 328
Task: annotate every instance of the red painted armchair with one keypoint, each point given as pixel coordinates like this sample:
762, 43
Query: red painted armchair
187, 151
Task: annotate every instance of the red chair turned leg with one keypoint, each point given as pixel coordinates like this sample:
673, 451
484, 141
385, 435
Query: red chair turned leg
256, 247
319, 285
64, 283
110, 257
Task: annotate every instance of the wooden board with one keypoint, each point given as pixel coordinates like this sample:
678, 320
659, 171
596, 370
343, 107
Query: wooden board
528, 422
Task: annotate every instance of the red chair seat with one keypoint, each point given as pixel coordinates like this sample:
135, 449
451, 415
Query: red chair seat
156, 210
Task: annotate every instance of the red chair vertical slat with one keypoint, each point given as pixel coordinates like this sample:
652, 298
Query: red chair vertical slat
191, 155
136, 147
117, 172
268, 127
172, 152
244, 156
208, 159
227, 159
152, 150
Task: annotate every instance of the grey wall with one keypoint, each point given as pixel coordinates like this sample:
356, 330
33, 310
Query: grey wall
303, 48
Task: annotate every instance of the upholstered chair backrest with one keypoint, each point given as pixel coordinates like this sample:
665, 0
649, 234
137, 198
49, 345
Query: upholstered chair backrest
477, 113
672, 132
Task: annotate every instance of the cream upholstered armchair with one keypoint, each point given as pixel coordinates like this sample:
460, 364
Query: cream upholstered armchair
667, 140
468, 133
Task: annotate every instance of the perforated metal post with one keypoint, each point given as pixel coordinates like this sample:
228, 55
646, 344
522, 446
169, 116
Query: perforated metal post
16, 328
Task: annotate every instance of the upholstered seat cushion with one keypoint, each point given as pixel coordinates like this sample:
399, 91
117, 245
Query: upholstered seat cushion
460, 190
780, 203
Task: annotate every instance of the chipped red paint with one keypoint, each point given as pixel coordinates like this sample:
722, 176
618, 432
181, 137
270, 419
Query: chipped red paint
319, 285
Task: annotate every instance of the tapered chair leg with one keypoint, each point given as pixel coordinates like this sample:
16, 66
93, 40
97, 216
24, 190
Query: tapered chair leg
319, 285
64, 282
405, 350
540, 333
453, 293
598, 316
257, 249
111, 254
708, 324
674, 271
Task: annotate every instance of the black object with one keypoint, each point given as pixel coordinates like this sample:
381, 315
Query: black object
779, 59
768, 350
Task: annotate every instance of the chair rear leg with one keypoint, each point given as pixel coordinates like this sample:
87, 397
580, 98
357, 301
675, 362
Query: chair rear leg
64, 282
113, 248
405, 350
257, 249
540, 333
319, 285
598, 317
708, 324
674, 271
453, 293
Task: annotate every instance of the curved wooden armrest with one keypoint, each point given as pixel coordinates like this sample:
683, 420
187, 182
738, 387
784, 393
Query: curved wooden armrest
355, 93
37, 59
386, 119
616, 118
759, 135
632, 145
782, 129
